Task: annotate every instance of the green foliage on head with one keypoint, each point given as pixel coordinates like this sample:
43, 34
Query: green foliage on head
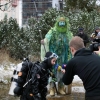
62, 24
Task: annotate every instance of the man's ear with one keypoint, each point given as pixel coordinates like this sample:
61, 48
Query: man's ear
72, 49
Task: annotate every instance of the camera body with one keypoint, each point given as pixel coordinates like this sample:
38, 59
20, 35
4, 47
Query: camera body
95, 44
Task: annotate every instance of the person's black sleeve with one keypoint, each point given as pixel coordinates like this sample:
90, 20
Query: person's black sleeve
69, 74
78, 34
86, 40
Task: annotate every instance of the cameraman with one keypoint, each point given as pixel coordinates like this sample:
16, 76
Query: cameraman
96, 33
86, 65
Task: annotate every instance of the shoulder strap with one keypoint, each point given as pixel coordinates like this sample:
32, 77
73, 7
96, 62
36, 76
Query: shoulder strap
38, 65
30, 68
29, 78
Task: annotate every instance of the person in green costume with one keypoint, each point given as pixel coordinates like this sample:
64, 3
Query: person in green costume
57, 41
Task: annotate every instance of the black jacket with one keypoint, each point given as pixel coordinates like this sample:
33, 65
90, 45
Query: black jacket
39, 80
40, 76
86, 65
84, 37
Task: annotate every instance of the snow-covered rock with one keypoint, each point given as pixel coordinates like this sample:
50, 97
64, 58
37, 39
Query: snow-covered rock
77, 80
77, 85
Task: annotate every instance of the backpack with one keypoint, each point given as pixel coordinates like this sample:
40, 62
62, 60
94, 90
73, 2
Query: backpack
29, 78
23, 75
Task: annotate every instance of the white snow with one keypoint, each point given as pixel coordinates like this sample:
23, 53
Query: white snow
6, 72
77, 79
98, 2
77, 88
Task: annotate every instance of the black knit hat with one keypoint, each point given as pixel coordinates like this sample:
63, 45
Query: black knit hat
47, 59
48, 54
80, 29
97, 28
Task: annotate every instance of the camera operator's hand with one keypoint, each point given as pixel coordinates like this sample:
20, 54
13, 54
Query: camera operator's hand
93, 35
97, 52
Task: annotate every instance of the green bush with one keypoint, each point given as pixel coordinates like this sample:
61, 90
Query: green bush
25, 41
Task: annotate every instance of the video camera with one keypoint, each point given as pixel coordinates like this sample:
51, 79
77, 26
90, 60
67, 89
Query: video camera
95, 44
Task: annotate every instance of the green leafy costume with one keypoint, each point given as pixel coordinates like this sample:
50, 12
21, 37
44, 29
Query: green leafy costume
57, 41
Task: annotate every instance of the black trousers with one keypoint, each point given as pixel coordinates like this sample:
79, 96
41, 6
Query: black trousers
92, 98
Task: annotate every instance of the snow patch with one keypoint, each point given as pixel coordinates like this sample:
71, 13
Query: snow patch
77, 79
6, 73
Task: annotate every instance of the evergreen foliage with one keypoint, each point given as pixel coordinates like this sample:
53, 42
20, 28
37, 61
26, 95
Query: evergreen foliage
89, 5
85, 19
25, 41
16, 40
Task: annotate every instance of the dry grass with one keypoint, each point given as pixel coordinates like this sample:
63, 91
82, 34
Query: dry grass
5, 59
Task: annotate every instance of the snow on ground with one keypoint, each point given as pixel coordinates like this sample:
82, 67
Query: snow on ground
6, 72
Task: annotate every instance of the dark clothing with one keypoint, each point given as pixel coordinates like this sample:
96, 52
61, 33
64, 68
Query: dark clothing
93, 98
38, 83
26, 67
84, 37
40, 78
86, 65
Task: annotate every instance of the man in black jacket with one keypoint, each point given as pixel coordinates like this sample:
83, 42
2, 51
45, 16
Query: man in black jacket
83, 35
86, 65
